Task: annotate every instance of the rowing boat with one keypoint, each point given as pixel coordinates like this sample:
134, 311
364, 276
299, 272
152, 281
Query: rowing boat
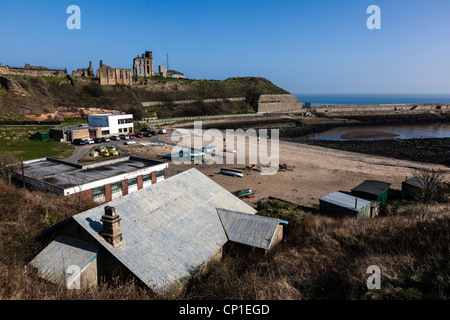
231, 172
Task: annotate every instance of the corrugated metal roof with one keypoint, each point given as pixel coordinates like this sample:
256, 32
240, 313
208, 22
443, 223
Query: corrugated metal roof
65, 174
346, 201
372, 187
249, 229
169, 228
416, 182
62, 252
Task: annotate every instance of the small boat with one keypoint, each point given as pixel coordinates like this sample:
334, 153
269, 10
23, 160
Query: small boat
242, 193
208, 149
230, 172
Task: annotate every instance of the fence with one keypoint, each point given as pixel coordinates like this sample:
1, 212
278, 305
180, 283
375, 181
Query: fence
201, 118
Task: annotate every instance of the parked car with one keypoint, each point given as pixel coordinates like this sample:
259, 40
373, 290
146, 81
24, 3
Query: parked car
106, 139
100, 148
147, 134
131, 136
162, 131
153, 132
138, 135
89, 141
79, 142
124, 136
111, 148
113, 153
97, 140
146, 129
115, 138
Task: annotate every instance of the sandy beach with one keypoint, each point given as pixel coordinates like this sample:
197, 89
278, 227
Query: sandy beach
312, 171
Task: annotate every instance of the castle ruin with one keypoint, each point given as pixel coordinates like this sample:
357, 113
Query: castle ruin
143, 65
85, 72
113, 76
106, 75
34, 71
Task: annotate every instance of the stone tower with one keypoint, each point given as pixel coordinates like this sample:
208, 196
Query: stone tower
143, 65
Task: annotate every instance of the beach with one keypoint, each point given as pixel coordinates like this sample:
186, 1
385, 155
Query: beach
312, 171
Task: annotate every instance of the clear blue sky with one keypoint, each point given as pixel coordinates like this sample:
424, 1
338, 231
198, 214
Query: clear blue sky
304, 46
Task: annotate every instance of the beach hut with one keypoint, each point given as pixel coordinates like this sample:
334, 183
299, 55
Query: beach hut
413, 188
372, 190
40, 136
338, 204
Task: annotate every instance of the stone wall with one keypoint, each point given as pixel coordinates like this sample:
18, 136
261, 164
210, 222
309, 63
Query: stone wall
34, 71
278, 103
180, 102
379, 109
84, 72
113, 76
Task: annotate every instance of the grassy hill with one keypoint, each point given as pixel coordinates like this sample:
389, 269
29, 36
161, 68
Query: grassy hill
320, 258
45, 95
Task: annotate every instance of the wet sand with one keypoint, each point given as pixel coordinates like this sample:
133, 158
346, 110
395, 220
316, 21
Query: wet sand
362, 135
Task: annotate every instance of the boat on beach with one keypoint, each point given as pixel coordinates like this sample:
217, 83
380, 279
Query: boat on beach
242, 193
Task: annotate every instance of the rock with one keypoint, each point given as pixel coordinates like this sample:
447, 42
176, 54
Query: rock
13, 86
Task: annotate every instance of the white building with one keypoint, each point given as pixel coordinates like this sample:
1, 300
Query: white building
112, 123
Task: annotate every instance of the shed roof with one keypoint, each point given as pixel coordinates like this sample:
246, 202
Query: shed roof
416, 182
249, 229
169, 228
346, 201
62, 252
373, 187
66, 175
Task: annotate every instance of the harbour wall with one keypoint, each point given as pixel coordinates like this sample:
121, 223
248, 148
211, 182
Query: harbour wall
377, 109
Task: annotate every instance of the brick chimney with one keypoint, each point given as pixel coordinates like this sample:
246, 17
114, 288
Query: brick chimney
111, 227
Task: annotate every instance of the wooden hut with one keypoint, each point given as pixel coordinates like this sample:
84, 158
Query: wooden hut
372, 190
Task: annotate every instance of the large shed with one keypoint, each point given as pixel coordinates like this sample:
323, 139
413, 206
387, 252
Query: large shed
166, 231
339, 204
372, 190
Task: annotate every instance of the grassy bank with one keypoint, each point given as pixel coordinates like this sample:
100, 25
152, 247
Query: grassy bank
15, 140
320, 258
45, 95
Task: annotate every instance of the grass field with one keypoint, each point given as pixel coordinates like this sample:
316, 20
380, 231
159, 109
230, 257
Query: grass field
15, 140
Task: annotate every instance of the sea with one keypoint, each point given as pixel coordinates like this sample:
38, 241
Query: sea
408, 131
359, 98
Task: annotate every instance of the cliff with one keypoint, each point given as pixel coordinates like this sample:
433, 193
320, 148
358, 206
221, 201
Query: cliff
48, 95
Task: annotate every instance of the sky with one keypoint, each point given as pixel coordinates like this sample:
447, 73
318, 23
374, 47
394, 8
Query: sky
303, 46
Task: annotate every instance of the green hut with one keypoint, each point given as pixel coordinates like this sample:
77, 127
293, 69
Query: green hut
372, 190
40, 136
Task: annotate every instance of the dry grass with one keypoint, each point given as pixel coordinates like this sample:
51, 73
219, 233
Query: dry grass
327, 258
320, 258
